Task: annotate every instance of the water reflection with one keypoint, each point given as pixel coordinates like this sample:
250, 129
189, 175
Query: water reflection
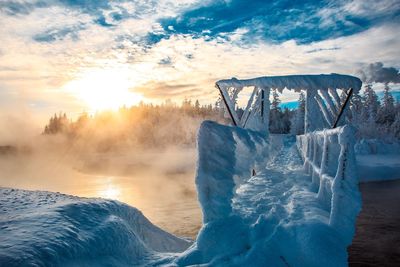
111, 191
163, 190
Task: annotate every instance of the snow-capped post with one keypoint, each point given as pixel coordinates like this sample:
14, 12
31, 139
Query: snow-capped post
343, 107
329, 158
346, 199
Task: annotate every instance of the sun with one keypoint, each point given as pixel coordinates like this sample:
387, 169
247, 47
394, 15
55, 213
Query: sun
103, 89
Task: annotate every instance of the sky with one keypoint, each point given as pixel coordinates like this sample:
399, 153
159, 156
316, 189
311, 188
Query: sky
83, 55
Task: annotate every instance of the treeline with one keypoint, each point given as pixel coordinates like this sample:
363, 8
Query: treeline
373, 118
148, 125
144, 125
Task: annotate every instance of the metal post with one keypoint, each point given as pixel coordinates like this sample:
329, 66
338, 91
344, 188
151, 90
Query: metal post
226, 105
262, 103
343, 107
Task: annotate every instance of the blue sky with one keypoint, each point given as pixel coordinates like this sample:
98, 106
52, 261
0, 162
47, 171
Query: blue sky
75, 55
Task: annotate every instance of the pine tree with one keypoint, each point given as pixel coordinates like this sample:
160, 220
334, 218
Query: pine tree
275, 118
395, 127
386, 113
297, 122
356, 107
371, 103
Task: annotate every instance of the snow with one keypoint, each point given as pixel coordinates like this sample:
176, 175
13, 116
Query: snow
297, 82
281, 216
376, 146
276, 217
378, 160
40, 228
378, 167
321, 95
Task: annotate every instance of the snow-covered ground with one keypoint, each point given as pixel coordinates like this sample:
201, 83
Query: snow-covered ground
378, 160
39, 228
378, 167
274, 218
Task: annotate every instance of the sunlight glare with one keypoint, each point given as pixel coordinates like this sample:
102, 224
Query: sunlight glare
111, 192
102, 89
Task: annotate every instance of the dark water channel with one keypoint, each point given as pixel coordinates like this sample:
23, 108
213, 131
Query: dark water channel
377, 239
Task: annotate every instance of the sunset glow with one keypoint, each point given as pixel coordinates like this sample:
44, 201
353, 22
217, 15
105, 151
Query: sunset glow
110, 192
101, 89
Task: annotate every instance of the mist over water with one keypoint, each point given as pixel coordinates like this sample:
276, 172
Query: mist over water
159, 181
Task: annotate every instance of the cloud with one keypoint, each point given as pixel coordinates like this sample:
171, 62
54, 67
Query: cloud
53, 35
20, 7
279, 21
173, 89
165, 61
177, 50
323, 49
376, 72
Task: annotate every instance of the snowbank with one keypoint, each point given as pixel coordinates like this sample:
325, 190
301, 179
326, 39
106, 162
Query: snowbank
378, 160
40, 228
376, 146
378, 167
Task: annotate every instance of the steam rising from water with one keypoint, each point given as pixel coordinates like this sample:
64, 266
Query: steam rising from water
159, 182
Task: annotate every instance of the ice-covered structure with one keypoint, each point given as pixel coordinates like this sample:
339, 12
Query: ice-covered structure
322, 99
297, 209
282, 216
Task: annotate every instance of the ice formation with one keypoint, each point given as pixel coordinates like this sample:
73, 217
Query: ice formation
322, 100
281, 216
267, 200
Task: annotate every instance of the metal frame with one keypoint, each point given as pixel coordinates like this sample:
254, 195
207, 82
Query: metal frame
343, 107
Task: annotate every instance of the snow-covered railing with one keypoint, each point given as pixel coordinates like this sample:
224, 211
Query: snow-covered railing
227, 156
322, 106
330, 160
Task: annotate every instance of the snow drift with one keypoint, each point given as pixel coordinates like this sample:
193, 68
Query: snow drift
40, 228
378, 160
